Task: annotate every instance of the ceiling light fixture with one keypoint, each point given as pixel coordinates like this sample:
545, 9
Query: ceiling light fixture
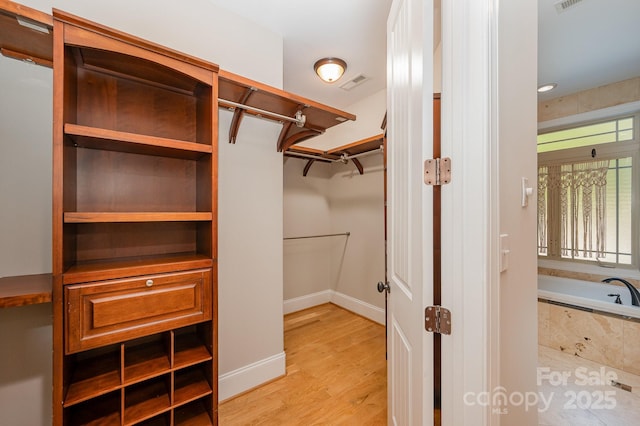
547, 87
330, 69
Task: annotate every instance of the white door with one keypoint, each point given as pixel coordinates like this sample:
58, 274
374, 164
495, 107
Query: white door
410, 253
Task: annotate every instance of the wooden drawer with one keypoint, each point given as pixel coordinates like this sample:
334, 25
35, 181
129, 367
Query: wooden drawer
112, 311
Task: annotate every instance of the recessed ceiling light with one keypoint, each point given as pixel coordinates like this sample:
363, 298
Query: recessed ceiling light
547, 87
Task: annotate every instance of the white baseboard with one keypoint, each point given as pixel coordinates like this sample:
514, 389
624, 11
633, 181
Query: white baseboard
308, 301
359, 307
352, 304
250, 376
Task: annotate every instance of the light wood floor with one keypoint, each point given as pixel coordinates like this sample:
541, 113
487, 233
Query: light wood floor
336, 375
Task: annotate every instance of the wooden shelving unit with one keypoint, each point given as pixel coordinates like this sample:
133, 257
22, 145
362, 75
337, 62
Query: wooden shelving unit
135, 211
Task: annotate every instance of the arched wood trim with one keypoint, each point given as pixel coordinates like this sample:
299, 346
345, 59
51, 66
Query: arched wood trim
283, 134
358, 165
307, 167
298, 137
237, 116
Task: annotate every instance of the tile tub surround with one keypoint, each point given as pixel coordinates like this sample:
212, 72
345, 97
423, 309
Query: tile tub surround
584, 276
608, 340
609, 95
562, 412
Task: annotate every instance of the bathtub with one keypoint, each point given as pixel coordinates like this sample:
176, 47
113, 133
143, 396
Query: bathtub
587, 295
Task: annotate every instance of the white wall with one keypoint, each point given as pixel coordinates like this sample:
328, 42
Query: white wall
517, 109
250, 195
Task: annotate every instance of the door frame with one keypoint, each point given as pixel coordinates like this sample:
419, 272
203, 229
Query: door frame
470, 209
489, 58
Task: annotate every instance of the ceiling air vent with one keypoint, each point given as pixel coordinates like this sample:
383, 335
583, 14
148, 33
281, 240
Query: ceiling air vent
563, 5
355, 81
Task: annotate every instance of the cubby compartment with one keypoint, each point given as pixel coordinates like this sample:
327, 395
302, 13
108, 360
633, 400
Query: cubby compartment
147, 399
119, 92
197, 413
146, 358
103, 410
93, 373
192, 345
112, 181
191, 383
125, 240
161, 420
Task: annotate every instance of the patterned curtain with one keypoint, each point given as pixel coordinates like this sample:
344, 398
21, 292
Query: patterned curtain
580, 190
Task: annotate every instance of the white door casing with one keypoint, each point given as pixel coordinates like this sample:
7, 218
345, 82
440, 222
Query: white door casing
470, 210
410, 219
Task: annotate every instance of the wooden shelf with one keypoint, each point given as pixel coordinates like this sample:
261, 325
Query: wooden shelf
25, 290
241, 90
128, 217
146, 400
362, 146
190, 386
113, 140
102, 270
94, 377
23, 43
194, 414
104, 410
189, 350
145, 361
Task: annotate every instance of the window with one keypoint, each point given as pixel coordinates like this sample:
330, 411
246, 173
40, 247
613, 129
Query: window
586, 193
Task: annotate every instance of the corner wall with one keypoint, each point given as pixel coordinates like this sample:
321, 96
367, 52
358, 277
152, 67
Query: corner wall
357, 206
336, 199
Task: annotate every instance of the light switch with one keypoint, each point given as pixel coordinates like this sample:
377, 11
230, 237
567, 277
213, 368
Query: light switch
527, 191
504, 252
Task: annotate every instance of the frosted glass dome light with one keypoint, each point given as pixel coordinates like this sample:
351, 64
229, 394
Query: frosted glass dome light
330, 69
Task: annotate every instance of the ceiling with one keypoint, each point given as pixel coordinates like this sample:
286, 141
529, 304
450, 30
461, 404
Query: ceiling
353, 30
592, 43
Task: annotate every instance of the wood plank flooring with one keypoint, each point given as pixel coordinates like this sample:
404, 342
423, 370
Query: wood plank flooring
336, 375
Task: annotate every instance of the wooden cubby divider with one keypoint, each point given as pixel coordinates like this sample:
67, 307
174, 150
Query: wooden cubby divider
154, 376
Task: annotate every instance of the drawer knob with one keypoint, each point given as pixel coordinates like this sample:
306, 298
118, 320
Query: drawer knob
149, 283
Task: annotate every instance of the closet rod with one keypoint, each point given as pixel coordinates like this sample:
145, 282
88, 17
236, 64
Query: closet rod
343, 158
299, 119
362, 154
317, 236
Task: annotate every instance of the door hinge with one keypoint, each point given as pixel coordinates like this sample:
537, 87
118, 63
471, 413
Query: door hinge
437, 320
437, 171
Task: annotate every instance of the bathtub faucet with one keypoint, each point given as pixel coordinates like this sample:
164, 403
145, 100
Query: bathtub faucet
635, 294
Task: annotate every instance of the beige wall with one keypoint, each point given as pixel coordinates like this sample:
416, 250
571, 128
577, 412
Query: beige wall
250, 185
357, 206
335, 198
306, 211
25, 242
